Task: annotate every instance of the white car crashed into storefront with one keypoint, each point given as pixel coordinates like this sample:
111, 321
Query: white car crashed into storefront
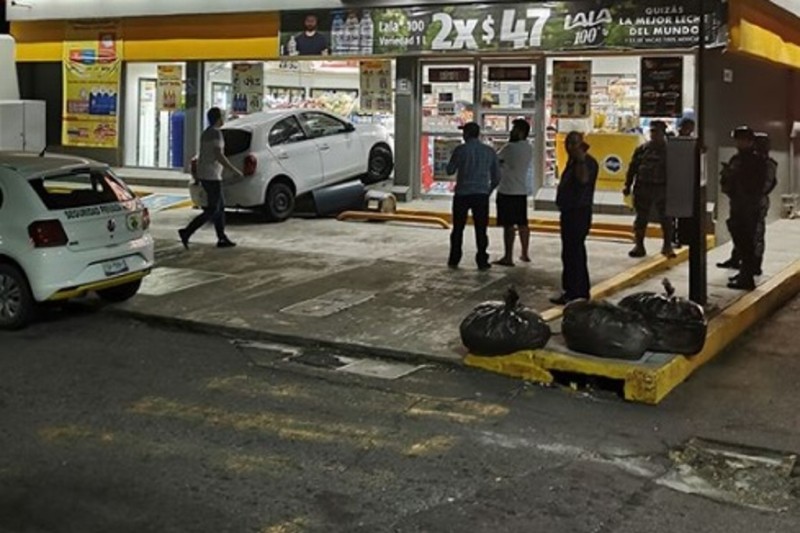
68, 227
286, 153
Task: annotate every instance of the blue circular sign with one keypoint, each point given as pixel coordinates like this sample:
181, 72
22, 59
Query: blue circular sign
612, 164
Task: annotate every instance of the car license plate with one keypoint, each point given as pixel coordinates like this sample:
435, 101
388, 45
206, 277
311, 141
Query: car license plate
112, 268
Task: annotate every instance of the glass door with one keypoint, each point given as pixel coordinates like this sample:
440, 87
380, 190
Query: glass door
448, 101
508, 92
155, 132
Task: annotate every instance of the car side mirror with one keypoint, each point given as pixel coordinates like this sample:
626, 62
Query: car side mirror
349, 128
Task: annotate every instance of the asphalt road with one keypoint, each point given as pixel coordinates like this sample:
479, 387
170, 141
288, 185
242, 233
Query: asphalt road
110, 425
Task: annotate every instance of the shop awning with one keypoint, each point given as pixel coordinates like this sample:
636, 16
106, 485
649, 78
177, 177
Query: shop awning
180, 38
761, 29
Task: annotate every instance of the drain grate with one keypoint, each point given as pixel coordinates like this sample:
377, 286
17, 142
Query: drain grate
752, 477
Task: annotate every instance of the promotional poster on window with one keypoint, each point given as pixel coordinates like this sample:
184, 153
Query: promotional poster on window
92, 66
582, 24
248, 88
169, 93
661, 87
376, 86
572, 89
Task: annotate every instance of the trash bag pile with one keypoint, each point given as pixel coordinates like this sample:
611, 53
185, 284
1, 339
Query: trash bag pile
502, 328
679, 325
605, 330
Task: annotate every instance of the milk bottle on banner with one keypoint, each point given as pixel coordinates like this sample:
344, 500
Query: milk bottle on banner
337, 35
352, 32
367, 28
291, 47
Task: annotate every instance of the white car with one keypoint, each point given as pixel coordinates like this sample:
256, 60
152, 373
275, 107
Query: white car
68, 226
286, 153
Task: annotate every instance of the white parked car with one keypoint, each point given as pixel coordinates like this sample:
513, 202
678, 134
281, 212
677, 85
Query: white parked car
286, 153
68, 226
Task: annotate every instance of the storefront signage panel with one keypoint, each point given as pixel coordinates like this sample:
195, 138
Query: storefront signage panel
572, 89
376, 86
600, 24
92, 66
510, 74
661, 87
170, 87
248, 87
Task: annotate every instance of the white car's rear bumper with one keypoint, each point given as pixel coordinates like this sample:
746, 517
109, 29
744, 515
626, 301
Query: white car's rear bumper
60, 274
248, 192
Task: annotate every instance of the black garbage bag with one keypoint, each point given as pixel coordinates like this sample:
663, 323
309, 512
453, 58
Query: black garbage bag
678, 325
605, 330
503, 328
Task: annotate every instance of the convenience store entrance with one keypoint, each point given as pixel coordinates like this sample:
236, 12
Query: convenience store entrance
492, 93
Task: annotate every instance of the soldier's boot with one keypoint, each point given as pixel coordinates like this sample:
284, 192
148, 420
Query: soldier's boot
639, 249
666, 250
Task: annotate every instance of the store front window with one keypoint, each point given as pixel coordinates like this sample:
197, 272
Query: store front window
333, 86
615, 123
154, 118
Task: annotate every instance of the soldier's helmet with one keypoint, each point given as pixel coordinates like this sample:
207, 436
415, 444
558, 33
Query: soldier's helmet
743, 132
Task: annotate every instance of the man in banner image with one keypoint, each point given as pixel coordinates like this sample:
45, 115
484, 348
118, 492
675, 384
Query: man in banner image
310, 42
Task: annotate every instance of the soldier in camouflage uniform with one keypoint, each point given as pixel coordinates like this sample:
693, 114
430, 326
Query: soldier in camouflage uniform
763, 147
647, 179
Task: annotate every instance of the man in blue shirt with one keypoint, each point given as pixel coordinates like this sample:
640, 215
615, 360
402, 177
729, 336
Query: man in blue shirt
477, 172
311, 42
575, 198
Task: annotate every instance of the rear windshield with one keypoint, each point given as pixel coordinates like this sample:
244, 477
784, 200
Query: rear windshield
236, 141
83, 188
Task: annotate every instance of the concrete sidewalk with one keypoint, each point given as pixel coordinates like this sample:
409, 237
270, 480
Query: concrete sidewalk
377, 287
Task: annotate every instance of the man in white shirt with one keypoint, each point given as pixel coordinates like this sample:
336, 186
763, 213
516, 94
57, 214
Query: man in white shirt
210, 163
512, 193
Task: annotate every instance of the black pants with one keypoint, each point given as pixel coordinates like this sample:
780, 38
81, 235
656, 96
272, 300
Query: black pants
462, 205
214, 210
575, 226
743, 226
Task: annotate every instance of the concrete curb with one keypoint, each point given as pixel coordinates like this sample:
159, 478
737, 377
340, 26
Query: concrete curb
647, 382
232, 332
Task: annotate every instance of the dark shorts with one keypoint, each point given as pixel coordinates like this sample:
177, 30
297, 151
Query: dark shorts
512, 210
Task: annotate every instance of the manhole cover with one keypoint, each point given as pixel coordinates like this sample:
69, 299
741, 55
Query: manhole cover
380, 369
751, 477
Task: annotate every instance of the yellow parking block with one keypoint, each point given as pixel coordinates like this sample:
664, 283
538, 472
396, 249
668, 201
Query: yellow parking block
647, 382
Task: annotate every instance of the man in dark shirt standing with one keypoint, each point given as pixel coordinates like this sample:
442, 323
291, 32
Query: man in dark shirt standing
311, 42
744, 180
575, 198
477, 172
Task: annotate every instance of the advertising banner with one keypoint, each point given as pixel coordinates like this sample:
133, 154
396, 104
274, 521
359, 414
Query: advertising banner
376, 86
169, 87
572, 89
576, 25
248, 88
661, 87
92, 66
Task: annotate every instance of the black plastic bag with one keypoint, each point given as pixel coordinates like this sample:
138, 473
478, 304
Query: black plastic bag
503, 328
679, 326
605, 330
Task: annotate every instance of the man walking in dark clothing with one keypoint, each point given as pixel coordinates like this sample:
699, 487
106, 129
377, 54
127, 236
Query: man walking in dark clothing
744, 180
647, 179
477, 172
575, 198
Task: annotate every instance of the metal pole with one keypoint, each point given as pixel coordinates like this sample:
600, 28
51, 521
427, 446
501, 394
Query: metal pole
698, 276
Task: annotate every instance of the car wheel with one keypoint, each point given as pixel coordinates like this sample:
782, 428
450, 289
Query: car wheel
379, 166
17, 305
120, 293
279, 203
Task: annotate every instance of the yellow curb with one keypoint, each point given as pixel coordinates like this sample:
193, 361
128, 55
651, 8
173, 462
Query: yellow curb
646, 382
180, 205
632, 276
653, 230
